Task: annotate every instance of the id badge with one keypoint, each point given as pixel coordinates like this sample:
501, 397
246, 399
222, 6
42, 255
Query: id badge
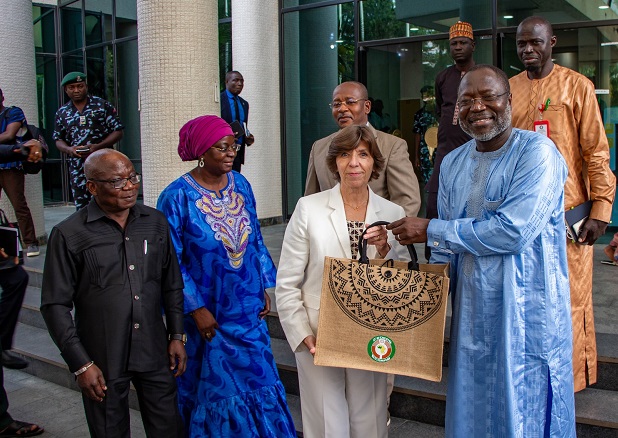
82, 120
542, 127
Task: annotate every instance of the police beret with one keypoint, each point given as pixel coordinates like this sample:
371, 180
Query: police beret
73, 77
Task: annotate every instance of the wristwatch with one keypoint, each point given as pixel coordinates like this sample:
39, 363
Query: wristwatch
178, 337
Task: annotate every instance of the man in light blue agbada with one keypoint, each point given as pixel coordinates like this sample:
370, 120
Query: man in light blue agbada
501, 226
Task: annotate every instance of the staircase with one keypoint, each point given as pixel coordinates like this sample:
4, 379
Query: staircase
417, 406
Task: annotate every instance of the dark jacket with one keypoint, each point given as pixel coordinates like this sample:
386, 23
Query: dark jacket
226, 114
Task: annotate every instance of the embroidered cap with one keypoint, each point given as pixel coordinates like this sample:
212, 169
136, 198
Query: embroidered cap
460, 29
72, 78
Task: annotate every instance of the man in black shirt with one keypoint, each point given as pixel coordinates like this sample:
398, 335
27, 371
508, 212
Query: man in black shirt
115, 263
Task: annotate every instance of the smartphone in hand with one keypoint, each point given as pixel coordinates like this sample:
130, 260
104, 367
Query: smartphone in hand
237, 128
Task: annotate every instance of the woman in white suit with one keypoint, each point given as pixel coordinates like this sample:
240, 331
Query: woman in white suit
335, 402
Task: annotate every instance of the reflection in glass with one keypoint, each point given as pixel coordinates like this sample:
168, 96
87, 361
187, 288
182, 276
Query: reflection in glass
561, 11
309, 84
126, 18
98, 21
71, 21
292, 3
379, 21
100, 64
127, 86
225, 9
225, 51
383, 19
44, 31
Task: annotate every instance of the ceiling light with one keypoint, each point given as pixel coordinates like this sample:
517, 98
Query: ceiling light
508, 17
604, 7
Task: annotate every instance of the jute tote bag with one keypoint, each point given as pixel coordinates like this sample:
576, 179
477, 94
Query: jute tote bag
383, 315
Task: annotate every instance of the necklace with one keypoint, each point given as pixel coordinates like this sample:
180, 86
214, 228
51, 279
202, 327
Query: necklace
358, 206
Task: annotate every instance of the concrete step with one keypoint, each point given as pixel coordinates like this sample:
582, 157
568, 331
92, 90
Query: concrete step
45, 362
607, 352
413, 400
424, 401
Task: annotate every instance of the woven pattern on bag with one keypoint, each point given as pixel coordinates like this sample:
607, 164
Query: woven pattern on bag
384, 298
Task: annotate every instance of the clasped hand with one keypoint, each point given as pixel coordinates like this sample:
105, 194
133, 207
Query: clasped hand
378, 236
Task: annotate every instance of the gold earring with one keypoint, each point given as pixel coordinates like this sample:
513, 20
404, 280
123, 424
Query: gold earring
201, 163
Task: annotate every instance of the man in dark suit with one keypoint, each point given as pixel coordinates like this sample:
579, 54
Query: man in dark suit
235, 108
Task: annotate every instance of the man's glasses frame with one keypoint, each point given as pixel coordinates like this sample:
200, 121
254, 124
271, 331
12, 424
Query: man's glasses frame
483, 100
348, 103
120, 183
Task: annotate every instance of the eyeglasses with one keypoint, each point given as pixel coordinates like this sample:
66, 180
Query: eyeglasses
483, 100
348, 103
120, 183
234, 147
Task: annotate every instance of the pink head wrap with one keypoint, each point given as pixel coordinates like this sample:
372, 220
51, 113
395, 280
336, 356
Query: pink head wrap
199, 134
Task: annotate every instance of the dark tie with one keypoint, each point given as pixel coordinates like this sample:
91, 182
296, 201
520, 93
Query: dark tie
237, 109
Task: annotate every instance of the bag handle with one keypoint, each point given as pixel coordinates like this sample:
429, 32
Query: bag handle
362, 248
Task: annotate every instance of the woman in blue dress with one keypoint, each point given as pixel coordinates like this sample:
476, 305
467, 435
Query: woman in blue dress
231, 387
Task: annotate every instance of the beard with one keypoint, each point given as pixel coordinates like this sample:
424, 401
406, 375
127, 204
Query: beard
503, 121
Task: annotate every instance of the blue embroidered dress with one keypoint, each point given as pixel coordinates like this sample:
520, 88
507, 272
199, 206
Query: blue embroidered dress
231, 387
502, 229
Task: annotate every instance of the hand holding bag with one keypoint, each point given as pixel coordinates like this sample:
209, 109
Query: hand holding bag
383, 315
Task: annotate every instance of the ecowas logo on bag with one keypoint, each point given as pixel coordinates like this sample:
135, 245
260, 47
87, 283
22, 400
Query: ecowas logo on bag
381, 348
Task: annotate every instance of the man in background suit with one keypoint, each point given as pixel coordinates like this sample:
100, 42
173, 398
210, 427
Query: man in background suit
235, 108
397, 183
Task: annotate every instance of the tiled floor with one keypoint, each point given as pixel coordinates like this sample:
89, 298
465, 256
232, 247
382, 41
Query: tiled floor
55, 408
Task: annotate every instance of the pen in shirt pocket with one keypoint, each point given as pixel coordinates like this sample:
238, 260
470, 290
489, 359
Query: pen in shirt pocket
145, 247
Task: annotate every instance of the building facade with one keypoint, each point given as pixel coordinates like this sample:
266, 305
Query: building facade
292, 54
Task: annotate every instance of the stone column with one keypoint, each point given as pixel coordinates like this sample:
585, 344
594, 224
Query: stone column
18, 83
178, 79
255, 54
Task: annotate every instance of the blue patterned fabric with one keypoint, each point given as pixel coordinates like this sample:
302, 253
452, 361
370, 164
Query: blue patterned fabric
231, 387
10, 115
502, 229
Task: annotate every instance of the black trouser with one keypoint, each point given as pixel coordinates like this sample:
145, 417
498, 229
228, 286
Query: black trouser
14, 282
158, 402
5, 418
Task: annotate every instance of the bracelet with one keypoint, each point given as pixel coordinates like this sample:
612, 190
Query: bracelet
83, 369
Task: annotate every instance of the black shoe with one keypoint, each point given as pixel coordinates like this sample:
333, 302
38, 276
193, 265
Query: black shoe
10, 360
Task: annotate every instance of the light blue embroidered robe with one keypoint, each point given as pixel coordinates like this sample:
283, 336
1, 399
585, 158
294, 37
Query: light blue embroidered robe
502, 229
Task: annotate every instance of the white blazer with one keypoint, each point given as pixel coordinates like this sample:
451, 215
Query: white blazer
318, 228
